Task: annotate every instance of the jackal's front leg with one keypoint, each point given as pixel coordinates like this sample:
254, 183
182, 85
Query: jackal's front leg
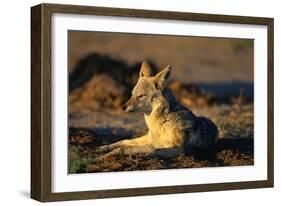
139, 141
128, 150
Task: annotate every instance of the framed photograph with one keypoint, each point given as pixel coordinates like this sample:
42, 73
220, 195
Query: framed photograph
132, 102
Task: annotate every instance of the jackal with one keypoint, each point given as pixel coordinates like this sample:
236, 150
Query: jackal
172, 128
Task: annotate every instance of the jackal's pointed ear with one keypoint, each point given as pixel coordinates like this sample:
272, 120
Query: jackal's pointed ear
145, 70
162, 77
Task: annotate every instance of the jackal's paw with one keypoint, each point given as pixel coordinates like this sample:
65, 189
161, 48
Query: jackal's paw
102, 149
110, 154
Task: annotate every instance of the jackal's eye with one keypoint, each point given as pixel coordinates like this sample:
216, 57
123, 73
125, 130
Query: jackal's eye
141, 96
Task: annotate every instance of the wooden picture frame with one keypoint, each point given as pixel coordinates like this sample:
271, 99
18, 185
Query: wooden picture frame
41, 96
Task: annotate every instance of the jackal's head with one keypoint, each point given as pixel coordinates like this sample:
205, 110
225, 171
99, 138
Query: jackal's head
148, 90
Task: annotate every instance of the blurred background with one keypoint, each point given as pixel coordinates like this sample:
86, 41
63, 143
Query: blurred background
194, 59
220, 67
211, 76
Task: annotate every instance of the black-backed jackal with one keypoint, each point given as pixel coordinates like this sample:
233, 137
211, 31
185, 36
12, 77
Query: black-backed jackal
172, 128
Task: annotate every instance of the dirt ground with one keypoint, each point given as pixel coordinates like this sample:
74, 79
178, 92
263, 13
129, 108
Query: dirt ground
90, 130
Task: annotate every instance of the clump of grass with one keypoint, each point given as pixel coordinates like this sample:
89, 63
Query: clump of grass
77, 163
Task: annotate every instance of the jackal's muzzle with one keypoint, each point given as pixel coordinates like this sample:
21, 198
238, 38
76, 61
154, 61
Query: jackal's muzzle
129, 106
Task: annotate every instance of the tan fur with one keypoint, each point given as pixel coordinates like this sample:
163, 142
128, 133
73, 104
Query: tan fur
161, 135
164, 134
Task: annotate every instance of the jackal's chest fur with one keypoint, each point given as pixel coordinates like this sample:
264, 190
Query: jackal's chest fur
163, 133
